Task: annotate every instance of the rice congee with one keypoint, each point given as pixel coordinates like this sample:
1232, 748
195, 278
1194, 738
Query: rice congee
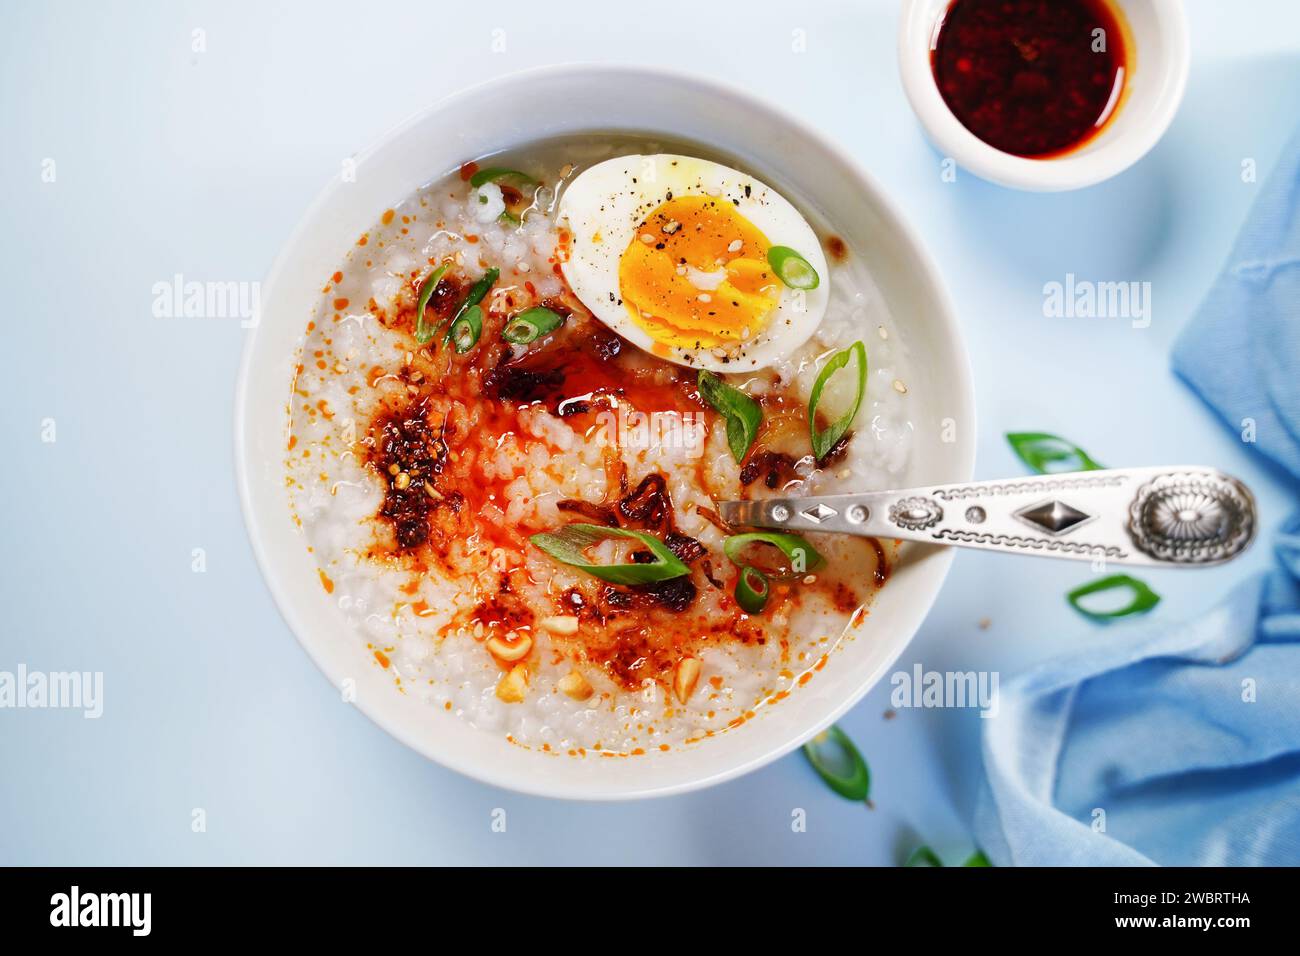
522, 392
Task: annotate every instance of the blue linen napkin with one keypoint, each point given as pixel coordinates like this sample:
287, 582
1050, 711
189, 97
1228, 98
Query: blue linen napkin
1181, 745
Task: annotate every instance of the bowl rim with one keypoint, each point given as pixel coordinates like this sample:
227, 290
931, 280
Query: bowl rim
944, 317
1107, 159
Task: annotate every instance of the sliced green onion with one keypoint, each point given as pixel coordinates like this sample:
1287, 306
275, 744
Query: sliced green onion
792, 269
496, 172
1043, 453
923, 856
424, 333
1144, 599
530, 325
742, 413
823, 441
479, 289
839, 763
466, 329
569, 544
751, 590
476, 293
802, 555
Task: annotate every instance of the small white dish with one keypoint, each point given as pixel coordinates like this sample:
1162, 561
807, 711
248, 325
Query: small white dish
1157, 33
535, 105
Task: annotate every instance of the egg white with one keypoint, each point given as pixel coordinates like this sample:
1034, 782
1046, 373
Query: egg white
603, 206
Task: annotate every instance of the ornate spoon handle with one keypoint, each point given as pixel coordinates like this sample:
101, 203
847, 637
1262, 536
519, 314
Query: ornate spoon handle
1181, 516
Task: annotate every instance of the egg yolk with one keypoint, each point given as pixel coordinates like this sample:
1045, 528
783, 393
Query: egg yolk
695, 275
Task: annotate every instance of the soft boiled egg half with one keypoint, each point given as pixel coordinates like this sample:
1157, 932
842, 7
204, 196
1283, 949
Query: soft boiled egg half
693, 261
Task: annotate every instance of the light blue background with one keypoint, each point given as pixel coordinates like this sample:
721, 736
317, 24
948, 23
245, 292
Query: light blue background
173, 161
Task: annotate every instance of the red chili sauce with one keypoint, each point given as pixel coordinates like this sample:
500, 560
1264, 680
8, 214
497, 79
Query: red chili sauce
1034, 78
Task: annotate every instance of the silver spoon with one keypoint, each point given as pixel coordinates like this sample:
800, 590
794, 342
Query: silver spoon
1178, 516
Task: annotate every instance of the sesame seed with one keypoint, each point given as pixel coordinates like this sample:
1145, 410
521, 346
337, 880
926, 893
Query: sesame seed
736, 246
899, 387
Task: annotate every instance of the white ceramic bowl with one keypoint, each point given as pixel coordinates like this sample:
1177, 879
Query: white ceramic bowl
1159, 66
512, 111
